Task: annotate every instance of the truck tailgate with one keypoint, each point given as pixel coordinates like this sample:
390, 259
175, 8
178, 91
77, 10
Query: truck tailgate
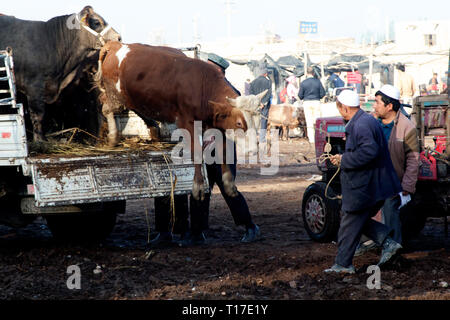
122, 176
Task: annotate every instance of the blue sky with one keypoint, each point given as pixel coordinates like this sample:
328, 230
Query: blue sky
142, 21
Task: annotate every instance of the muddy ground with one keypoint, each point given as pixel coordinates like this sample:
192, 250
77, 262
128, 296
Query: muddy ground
284, 264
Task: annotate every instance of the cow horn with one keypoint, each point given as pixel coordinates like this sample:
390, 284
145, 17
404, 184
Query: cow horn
232, 102
262, 94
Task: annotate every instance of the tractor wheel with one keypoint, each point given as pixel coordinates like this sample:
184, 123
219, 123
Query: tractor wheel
321, 216
413, 218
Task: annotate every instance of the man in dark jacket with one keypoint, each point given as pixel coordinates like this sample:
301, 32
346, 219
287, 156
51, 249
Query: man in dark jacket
336, 81
367, 179
311, 91
256, 87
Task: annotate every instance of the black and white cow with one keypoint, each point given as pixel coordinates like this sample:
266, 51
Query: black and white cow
49, 55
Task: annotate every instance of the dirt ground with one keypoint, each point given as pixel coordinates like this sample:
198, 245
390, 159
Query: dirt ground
284, 264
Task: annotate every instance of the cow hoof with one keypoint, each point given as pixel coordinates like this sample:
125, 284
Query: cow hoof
112, 141
229, 185
198, 191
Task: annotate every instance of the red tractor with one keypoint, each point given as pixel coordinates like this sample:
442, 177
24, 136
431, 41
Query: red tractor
321, 204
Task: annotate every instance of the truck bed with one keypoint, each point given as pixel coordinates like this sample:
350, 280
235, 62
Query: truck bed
68, 180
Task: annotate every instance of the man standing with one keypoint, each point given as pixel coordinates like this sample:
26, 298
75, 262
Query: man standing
367, 179
403, 145
256, 87
311, 91
199, 210
335, 80
406, 85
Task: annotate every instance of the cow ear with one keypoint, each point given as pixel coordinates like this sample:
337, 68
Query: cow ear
84, 14
233, 102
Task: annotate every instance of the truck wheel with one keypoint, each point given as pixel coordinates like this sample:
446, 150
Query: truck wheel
321, 216
84, 226
413, 218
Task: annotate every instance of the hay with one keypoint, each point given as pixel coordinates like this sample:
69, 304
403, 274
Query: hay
67, 147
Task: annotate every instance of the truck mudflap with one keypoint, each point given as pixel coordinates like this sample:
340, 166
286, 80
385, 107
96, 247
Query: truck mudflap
59, 181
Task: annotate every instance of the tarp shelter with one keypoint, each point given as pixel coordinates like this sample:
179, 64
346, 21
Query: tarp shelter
348, 63
280, 70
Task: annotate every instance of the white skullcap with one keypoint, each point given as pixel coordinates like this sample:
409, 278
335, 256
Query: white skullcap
390, 91
349, 98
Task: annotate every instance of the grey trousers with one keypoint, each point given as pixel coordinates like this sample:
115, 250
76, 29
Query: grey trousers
391, 217
355, 224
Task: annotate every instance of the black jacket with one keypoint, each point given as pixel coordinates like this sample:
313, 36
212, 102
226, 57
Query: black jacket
311, 89
259, 85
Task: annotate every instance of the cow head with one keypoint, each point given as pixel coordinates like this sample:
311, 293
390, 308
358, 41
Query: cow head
248, 103
94, 25
226, 117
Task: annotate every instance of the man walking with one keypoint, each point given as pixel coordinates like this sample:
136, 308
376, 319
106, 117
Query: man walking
367, 179
311, 91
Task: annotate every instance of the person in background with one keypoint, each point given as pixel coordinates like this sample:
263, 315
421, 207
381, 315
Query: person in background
367, 179
311, 91
247, 87
335, 80
284, 96
433, 84
444, 85
199, 210
260, 84
403, 144
406, 85
292, 89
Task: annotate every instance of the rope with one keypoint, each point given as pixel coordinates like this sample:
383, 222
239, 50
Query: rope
326, 155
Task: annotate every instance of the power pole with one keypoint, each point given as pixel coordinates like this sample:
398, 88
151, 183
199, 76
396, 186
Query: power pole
229, 12
196, 32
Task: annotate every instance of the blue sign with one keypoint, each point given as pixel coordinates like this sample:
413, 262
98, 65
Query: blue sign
333, 129
308, 27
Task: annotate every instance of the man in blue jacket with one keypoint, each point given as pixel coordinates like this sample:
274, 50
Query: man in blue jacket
367, 179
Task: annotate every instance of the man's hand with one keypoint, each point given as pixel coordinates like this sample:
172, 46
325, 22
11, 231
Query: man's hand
336, 159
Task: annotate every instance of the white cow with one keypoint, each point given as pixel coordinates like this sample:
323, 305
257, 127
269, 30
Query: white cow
250, 106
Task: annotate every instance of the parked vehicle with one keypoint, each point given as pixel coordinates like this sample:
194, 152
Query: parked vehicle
79, 196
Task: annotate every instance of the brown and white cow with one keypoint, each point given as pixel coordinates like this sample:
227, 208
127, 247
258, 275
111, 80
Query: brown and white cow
163, 84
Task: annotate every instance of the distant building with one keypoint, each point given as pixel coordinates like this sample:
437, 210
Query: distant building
428, 35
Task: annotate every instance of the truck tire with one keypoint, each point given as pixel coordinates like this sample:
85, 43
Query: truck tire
321, 216
83, 227
413, 218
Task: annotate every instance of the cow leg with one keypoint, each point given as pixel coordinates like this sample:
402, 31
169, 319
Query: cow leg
227, 176
269, 138
36, 108
198, 188
113, 134
285, 133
